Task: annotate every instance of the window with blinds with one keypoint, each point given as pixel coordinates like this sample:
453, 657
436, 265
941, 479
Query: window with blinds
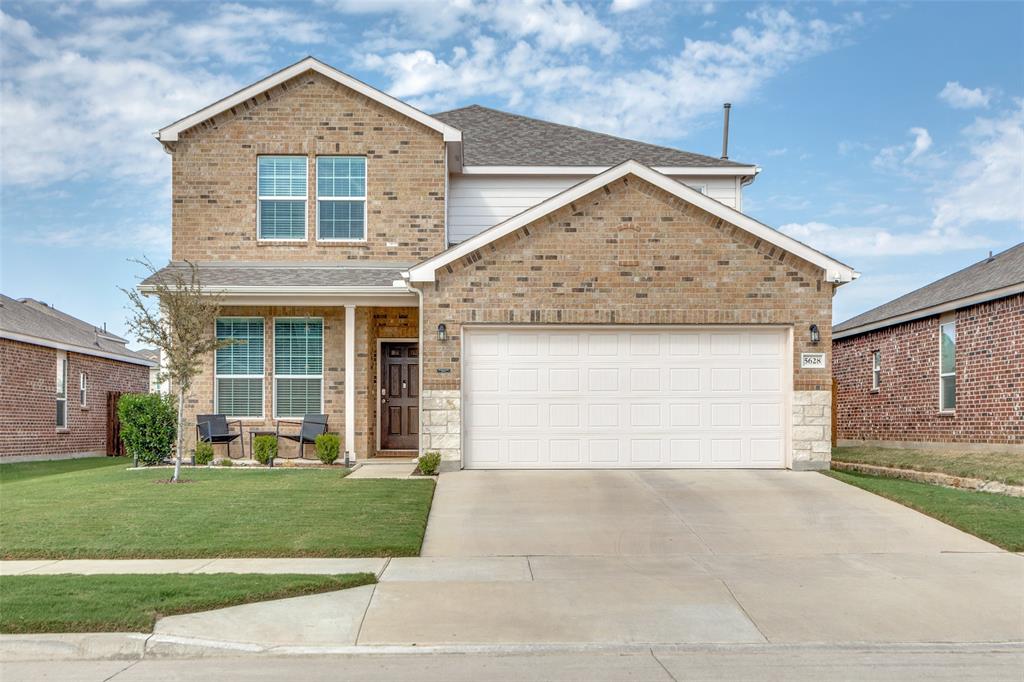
341, 198
298, 366
238, 368
281, 197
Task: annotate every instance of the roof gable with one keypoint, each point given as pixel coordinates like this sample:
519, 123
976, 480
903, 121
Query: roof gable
835, 271
170, 133
995, 277
498, 138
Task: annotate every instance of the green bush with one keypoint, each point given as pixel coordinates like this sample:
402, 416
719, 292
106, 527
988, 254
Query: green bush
204, 453
264, 449
148, 426
327, 447
429, 463
227, 463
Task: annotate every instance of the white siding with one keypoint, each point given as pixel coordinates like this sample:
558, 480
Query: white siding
479, 201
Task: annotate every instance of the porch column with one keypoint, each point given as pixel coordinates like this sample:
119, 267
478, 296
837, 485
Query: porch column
350, 381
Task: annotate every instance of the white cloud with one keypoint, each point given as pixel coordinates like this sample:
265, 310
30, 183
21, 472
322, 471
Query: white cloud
989, 186
627, 5
922, 142
845, 242
908, 158
959, 97
122, 237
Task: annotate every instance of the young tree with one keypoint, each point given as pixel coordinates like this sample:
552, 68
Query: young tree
181, 325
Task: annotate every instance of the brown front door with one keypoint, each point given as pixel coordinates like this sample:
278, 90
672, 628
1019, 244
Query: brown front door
399, 395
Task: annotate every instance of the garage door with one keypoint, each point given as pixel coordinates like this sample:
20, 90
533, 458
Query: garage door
562, 398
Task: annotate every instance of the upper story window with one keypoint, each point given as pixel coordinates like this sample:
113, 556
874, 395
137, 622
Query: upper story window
947, 366
876, 370
341, 198
62, 389
238, 384
281, 190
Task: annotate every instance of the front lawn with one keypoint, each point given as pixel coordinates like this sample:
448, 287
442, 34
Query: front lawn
96, 509
988, 466
133, 603
998, 519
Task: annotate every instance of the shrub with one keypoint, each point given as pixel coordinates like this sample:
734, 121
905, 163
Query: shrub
327, 447
264, 449
429, 463
227, 463
204, 453
148, 426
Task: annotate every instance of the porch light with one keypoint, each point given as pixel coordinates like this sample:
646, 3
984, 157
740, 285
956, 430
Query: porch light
442, 332
815, 335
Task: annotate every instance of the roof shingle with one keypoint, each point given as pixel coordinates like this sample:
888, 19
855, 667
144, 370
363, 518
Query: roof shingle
1002, 270
497, 138
293, 274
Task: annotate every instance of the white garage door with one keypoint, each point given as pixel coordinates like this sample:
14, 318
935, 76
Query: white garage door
562, 398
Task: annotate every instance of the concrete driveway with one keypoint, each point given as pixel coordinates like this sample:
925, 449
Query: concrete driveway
654, 558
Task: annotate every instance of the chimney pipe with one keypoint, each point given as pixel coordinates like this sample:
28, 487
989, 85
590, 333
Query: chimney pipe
725, 132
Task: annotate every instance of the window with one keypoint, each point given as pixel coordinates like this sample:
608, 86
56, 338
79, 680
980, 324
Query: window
947, 367
876, 370
298, 366
62, 389
341, 198
282, 197
83, 389
238, 381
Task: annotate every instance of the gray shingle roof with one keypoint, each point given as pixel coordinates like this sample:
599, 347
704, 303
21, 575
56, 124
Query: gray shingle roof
497, 138
269, 274
28, 317
1002, 270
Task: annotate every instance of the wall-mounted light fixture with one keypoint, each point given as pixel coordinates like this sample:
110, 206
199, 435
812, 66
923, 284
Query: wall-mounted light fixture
442, 332
815, 335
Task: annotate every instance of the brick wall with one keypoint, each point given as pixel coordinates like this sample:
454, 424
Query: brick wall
214, 175
989, 381
28, 375
628, 253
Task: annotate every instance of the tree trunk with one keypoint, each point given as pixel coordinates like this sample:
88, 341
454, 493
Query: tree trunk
181, 433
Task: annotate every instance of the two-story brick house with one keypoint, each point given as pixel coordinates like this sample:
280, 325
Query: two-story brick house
511, 292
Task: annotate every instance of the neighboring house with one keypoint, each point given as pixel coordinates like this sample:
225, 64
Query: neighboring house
55, 374
941, 365
155, 384
509, 292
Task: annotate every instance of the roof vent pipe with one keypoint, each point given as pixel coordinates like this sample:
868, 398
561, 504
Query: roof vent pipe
725, 132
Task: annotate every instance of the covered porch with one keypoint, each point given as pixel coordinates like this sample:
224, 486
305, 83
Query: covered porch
337, 340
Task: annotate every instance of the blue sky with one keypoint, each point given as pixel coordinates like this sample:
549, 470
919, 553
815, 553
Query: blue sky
890, 135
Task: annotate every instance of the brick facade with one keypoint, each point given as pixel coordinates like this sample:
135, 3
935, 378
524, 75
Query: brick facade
989, 380
214, 176
28, 376
629, 253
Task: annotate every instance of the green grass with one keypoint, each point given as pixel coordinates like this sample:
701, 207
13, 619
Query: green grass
999, 519
989, 466
133, 603
96, 509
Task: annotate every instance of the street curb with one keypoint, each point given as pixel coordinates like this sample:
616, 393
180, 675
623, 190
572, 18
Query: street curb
933, 478
136, 646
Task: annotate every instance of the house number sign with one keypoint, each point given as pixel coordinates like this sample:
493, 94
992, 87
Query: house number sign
812, 361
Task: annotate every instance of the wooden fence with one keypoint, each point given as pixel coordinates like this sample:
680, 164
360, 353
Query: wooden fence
115, 447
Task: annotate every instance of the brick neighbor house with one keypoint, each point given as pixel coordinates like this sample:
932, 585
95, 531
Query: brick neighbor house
55, 374
941, 365
509, 292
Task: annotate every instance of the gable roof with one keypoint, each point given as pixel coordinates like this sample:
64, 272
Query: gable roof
995, 277
498, 138
31, 321
835, 271
170, 133
228, 276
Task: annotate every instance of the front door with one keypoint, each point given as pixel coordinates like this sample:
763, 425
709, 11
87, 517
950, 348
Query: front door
399, 395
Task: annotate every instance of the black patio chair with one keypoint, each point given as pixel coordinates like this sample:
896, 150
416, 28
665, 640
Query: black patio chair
312, 426
213, 429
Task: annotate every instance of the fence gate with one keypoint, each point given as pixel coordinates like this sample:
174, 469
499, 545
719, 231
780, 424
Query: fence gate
115, 447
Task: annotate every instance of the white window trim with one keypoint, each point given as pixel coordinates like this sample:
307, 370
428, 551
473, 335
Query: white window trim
323, 351
366, 183
261, 376
260, 199
942, 375
83, 389
700, 187
62, 373
876, 370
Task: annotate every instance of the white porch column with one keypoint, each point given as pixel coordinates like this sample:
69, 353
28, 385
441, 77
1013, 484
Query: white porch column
350, 381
